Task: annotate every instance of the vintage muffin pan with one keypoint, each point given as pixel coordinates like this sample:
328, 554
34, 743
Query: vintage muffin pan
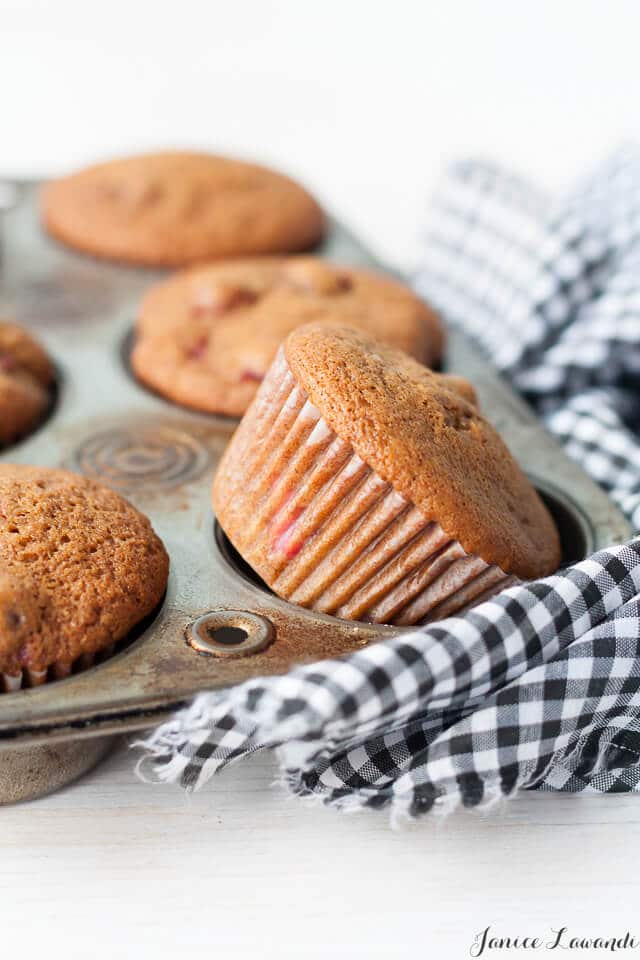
217, 625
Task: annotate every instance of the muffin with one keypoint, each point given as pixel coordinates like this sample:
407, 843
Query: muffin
363, 485
172, 209
79, 568
26, 381
206, 337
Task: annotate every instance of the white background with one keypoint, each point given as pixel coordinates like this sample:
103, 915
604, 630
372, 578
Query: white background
365, 101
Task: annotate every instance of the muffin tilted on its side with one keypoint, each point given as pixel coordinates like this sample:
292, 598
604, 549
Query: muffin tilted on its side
26, 381
79, 569
206, 337
363, 485
174, 208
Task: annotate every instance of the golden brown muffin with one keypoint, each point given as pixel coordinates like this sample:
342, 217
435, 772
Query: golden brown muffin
361, 484
176, 208
79, 568
206, 337
26, 379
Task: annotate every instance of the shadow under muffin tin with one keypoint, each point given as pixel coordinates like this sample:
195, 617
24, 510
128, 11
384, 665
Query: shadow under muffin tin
218, 625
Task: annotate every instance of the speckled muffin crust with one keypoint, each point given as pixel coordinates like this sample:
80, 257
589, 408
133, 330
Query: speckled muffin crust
79, 568
430, 443
206, 337
363, 485
177, 208
26, 379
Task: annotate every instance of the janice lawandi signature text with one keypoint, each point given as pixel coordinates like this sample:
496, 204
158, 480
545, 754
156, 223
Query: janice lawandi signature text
487, 942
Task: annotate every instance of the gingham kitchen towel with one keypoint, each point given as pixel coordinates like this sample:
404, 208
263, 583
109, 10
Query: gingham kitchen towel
539, 687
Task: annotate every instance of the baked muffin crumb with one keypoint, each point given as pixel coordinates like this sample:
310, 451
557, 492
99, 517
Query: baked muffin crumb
80, 567
26, 381
206, 337
175, 208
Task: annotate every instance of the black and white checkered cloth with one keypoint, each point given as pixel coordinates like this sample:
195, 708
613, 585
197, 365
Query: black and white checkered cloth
539, 687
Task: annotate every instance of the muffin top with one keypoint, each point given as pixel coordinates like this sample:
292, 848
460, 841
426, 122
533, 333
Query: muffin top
430, 442
175, 208
26, 377
206, 337
79, 567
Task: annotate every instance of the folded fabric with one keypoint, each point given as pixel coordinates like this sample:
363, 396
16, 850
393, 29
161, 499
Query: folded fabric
549, 287
540, 686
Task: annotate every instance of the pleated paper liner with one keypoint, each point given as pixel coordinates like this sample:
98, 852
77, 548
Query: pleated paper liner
325, 531
11, 683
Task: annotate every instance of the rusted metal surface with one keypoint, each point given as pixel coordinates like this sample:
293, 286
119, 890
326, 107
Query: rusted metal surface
36, 770
163, 458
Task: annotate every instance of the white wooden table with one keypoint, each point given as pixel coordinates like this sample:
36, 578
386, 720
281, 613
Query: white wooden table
113, 867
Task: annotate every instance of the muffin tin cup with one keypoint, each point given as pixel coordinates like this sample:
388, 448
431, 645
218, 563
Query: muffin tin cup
325, 531
39, 770
218, 625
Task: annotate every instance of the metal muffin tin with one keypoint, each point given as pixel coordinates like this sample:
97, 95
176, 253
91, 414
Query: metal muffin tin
217, 626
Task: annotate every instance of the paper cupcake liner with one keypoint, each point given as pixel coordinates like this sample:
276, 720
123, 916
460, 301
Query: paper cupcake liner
11, 683
325, 531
